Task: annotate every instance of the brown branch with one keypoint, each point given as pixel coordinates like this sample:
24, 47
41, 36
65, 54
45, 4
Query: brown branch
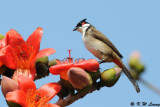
80, 94
149, 85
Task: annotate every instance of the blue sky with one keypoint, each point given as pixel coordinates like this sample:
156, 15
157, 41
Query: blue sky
129, 24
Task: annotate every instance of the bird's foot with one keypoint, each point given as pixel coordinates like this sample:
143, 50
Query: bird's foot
101, 61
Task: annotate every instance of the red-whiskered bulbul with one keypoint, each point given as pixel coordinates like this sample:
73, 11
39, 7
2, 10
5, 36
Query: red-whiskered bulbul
102, 48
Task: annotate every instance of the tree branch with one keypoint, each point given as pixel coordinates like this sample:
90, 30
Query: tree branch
149, 85
80, 94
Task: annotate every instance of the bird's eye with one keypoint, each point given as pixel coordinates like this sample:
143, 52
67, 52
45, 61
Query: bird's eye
83, 23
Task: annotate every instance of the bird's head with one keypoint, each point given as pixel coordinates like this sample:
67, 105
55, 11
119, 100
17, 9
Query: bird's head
82, 26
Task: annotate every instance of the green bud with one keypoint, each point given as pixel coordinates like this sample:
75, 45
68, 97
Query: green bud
1, 36
42, 60
79, 78
133, 62
140, 68
110, 77
52, 62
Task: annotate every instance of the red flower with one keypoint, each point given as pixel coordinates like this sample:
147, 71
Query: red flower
62, 67
2, 45
22, 55
29, 96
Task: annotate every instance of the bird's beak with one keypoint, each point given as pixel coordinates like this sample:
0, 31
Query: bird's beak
75, 28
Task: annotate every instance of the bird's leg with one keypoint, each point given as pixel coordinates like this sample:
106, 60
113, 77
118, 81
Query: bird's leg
101, 61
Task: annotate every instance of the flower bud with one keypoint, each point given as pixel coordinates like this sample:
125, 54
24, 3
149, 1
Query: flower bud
140, 68
43, 60
8, 85
79, 78
134, 59
41, 70
133, 62
52, 62
110, 77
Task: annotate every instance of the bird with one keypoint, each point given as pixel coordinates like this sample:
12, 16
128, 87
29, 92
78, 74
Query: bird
102, 48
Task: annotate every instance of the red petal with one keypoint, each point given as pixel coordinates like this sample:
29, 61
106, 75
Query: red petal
8, 85
7, 57
50, 89
17, 96
32, 74
52, 105
43, 53
3, 42
2, 51
35, 38
13, 38
63, 75
25, 83
1, 63
56, 69
91, 65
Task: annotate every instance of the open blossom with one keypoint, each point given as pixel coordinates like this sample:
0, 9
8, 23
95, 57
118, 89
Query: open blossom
62, 67
22, 55
2, 45
28, 96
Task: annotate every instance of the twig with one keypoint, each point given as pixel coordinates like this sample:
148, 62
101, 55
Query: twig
80, 94
149, 85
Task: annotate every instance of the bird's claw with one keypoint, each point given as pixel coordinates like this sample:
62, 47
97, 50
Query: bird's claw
101, 61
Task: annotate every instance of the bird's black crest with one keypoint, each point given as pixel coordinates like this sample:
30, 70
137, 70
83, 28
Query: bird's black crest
82, 21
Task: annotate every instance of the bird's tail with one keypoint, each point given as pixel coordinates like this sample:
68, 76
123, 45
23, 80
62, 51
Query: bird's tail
128, 74
130, 77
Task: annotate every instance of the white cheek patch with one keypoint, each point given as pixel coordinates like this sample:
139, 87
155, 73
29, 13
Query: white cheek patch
85, 25
83, 29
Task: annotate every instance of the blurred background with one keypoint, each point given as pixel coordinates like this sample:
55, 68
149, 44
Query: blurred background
129, 24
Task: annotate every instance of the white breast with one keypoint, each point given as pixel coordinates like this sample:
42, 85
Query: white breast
96, 47
91, 46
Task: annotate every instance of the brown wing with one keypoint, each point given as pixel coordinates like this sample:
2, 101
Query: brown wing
103, 38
